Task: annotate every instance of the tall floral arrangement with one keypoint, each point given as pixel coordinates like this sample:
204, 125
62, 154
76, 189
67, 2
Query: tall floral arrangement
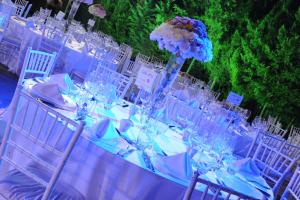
74, 7
184, 38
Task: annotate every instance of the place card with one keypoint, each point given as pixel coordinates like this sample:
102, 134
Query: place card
146, 78
60, 15
91, 22
234, 99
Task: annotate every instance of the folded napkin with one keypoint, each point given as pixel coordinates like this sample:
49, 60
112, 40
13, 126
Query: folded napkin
194, 103
246, 165
124, 125
170, 143
136, 157
50, 92
178, 166
106, 130
30, 24
63, 81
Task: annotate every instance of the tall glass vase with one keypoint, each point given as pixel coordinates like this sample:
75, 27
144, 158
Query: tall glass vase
173, 67
72, 13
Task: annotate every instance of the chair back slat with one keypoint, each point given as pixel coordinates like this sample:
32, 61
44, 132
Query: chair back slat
38, 63
22, 144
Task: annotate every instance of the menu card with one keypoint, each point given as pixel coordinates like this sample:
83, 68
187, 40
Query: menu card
234, 99
146, 78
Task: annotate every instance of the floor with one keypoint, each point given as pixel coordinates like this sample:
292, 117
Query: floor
8, 82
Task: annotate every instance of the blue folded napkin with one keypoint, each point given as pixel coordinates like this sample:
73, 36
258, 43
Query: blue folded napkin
178, 166
106, 130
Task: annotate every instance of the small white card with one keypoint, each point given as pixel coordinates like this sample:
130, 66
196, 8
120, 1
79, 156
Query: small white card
91, 22
234, 99
60, 15
146, 78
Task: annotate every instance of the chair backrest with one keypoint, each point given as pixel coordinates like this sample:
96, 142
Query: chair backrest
139, 60
294, 136
273, 164
38, 63
276, 130
21, 5
127, 61
121, 82
293, 188
27, 10
271, 120
127, 69
268, 139
44, 13
32, 128
177, 109
52, 40
291, 150
212, 190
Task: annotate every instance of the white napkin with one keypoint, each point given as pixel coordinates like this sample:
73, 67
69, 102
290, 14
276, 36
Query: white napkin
106, 130
136, 158
170, 143
63, 81
30, 24
246, 165
178, 166
124, 125
50, 92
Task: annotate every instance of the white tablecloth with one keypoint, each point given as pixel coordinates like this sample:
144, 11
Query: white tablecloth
95, 170
73, 56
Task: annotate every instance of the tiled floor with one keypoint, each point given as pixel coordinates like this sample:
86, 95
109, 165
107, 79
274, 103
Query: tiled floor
8, 82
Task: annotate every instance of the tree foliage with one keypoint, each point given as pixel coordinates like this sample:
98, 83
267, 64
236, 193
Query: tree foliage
255, 45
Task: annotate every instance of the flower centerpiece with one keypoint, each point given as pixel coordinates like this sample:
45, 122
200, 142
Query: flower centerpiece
97, 10
184, 38
73, 10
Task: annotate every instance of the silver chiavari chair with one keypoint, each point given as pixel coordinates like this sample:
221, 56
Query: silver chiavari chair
292, 190
212, 190
273, 164
24, 140
294, 136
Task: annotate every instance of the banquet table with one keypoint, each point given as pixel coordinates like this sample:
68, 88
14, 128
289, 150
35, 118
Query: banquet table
96, 169
74, 54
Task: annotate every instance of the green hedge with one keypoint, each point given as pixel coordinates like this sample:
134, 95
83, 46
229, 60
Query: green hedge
256, 45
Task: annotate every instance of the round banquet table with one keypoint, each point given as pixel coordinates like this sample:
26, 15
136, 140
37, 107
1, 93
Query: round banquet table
73, 55
97, 172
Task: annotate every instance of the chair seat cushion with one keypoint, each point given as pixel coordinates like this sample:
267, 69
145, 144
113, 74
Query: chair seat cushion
18, 186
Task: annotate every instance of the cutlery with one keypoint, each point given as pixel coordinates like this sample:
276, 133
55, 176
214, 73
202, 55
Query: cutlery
148, 162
